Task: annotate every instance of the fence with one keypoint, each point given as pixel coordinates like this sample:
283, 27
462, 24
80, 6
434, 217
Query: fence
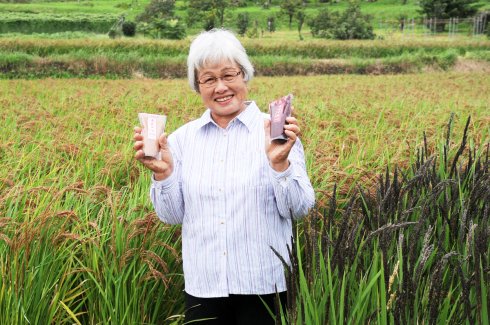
451, 27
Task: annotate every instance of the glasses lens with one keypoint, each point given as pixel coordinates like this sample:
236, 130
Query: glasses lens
211, 81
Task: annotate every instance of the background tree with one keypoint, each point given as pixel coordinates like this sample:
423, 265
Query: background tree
300, 15
129, 28
322, 25
445, 9
242, 23
289, 8
158, 20
211, 12
157, 9
352, 24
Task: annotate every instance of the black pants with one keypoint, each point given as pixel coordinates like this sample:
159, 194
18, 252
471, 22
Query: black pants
235, 309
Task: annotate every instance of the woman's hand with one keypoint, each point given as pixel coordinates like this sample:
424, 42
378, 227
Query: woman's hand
278, 151
162, 169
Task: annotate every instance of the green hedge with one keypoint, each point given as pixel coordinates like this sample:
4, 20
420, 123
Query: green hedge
317, 49
29, 23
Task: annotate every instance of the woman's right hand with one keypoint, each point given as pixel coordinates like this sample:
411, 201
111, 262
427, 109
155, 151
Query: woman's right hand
162, 169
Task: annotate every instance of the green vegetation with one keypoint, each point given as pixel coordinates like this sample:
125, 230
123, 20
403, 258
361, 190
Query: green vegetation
198, 12
79, 242
51, 23
125, 58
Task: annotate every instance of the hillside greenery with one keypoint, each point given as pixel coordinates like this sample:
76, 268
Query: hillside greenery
381, 10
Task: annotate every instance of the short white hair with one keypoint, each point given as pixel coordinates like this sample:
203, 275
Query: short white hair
215, 46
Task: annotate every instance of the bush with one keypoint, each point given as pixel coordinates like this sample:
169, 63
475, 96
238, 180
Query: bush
157, 9
28, 23
129, 28
353, 24
168, 29
323, 24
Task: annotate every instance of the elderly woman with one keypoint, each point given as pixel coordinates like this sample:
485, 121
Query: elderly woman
232, 189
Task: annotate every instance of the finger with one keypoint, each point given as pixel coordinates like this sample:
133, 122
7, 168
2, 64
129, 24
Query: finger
138, 145
292, 120
137, 129
291, 135
292, 127
139, 155
137, 137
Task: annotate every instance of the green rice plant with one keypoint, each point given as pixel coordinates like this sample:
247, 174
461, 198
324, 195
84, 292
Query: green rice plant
79, 242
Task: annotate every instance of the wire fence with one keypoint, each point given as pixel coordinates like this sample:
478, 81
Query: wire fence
451, 27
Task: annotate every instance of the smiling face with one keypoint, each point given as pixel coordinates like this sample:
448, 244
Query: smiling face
225, 99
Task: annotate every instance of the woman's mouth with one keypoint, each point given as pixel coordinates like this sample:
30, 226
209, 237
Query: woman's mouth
223, 99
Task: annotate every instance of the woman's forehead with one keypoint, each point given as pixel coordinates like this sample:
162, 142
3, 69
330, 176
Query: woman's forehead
214, 67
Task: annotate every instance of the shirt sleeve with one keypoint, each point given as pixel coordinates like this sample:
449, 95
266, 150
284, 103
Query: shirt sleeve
166, 195
292, 188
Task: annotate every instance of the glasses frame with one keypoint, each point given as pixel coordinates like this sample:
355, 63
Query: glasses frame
214, 80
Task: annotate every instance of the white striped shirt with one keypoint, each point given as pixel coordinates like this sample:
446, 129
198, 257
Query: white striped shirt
232, 205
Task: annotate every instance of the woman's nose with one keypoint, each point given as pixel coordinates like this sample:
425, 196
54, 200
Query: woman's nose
220, 86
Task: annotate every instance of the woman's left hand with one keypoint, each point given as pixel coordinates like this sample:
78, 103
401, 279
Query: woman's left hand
278, 151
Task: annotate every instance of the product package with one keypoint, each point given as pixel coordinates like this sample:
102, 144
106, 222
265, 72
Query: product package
153, 127
279, 110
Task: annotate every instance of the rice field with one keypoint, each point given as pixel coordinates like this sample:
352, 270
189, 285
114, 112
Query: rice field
79, 242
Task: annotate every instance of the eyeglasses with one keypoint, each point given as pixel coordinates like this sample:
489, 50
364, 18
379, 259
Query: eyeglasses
210, 81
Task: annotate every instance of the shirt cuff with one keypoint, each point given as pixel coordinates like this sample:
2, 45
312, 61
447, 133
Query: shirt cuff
284, 177
165, 184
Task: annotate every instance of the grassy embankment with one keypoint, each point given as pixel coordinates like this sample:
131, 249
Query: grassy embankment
39, 58
79, 242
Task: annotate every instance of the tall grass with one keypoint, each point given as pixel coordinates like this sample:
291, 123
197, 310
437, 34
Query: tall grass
413, 250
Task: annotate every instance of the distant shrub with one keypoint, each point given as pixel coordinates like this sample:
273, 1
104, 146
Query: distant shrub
129, 28
165, 28
157, 9
323, 24
351, 24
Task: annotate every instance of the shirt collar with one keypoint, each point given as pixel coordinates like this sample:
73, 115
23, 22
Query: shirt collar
246, 117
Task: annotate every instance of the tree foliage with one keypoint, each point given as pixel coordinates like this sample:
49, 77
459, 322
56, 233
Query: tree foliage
157, 9
444, 9
158, 20
129, 28
289, 8
242, 23
210, 12
323, 24
351, 24
164, 28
